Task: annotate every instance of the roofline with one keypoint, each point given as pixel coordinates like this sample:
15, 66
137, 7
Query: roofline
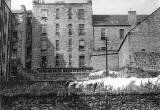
94, 25
135, 27
58, 3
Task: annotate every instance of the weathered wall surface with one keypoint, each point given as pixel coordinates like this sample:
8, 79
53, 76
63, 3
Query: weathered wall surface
63, 37
124, 54
99, 62
144, 37
113, 34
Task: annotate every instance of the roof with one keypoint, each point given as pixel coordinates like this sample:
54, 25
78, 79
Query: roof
114, 19
19, 11
146, 18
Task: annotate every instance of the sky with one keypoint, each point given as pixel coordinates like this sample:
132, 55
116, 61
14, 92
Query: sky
108, 6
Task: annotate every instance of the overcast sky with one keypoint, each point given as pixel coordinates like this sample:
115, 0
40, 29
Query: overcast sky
108, 6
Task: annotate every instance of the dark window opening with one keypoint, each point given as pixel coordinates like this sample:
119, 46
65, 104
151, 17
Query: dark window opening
70, 29
57, 13
44, 61
121, 31
57, 45
70, 44
81, 61
70, 14
70, 60
102, 34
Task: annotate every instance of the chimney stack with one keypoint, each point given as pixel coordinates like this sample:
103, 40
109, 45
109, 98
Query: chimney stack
132, 18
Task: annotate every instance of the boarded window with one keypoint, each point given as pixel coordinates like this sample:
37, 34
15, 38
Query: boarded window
121, 32
57, 45
81, 14
81, 29
82, 61
44, 45
81, 45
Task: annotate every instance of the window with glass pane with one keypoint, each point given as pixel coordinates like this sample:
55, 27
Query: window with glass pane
82, 61
81, 45
44, 29
81, 29
44, 14
57, 28
81, 14
44, 45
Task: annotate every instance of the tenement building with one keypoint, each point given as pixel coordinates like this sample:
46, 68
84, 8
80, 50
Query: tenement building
7, 23
62, 34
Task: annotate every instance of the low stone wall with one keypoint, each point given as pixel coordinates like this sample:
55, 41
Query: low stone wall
84, 102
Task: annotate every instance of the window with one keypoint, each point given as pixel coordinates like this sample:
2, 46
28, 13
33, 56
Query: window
81, 14
70, 44
81, 45
44, 14
44, 29
70, 60
70, 29
44, 61
3, 57
57, 45
57, 29
29, 36
82, 61
102, 34
121, 32
81, 29
69, 13
44, 45
57, 60
4, 39
57, 13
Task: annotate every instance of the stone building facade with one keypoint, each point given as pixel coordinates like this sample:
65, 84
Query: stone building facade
23, 34
114, 28
62, 34
141, 46
7, 23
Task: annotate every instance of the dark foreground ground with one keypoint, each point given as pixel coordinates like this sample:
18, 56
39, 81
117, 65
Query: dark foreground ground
83, 102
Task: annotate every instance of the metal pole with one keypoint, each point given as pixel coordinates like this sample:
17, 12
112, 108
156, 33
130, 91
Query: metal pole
106, 56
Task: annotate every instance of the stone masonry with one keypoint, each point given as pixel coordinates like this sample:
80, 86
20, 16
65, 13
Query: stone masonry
141, 47
63, 36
